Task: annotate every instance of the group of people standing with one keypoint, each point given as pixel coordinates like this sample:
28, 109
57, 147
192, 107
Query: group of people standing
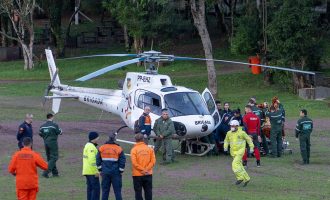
259, 122
24, 162
108, 161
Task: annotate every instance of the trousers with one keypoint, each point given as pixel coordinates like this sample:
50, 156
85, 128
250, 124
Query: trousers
52, 157
111, 179
305, 144
168, 154
93, 187
145, 183
30, 194
238, 168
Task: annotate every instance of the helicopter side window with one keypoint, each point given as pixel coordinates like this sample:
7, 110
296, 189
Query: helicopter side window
149, 99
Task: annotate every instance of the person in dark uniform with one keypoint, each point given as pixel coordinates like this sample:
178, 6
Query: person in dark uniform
25, 130
276, 121
145, 124
49, 131
110, 161
304, 129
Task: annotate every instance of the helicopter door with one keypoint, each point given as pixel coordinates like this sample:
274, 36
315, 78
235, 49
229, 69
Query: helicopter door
211, 106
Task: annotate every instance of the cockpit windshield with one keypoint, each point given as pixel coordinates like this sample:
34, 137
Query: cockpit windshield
185, 103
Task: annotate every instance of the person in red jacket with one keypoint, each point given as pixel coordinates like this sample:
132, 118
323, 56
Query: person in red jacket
24, 165
252, 126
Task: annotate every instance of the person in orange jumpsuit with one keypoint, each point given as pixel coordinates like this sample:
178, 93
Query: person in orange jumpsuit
24, 165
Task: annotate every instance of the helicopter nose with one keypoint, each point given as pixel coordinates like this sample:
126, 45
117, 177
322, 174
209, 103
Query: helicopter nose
204, 128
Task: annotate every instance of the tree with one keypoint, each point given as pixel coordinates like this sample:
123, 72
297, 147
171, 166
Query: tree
198, 13
147, 20
247, 36
294, 38
54, 9
20, 14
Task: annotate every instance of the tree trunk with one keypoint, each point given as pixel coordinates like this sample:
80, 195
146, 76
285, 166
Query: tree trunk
198, 13
220, 18
126, 37
138, 44
28, 57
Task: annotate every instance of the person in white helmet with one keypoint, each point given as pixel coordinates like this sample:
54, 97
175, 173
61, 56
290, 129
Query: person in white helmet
237, 140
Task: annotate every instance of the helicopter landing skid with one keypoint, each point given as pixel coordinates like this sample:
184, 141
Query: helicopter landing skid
195, 147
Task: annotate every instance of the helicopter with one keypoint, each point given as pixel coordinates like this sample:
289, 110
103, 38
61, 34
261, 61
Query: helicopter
194, 114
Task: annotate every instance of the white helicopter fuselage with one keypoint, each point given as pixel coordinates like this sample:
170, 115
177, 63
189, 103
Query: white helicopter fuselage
194, 114
114, 101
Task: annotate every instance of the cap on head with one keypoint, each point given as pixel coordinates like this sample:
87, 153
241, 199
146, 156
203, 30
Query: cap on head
112, 137
92, 135
234, 123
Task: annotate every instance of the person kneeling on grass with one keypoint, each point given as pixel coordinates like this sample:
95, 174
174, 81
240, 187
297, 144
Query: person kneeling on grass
237, 140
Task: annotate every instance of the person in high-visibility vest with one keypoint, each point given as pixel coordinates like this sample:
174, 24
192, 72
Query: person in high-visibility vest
89, 167
237, 140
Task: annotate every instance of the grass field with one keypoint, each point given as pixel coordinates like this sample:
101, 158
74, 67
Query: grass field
205, 178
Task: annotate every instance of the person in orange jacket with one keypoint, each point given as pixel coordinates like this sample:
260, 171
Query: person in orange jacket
24, 165
143, 160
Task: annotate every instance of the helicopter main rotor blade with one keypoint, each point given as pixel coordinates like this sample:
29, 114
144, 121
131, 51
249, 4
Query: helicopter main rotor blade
49, 87
101, 55
244, 63
110, 68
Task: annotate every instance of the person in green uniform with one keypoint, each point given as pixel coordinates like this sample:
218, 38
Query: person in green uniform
164, 129
276, 121
49, 131
304, 129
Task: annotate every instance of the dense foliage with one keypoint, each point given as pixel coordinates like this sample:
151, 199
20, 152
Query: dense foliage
294, 35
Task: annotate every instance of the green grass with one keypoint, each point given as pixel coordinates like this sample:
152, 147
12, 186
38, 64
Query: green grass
193, 178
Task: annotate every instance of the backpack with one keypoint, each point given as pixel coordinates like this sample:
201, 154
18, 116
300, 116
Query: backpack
137, 126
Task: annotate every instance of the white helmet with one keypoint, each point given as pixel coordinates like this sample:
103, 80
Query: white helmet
234, 123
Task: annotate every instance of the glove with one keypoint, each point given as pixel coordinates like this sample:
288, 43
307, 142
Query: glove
251, 151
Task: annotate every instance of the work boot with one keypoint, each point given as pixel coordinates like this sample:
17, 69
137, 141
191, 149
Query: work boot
245, 183
238, 182
56, 175
304, 162
45, 174
245, 163
258, 163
